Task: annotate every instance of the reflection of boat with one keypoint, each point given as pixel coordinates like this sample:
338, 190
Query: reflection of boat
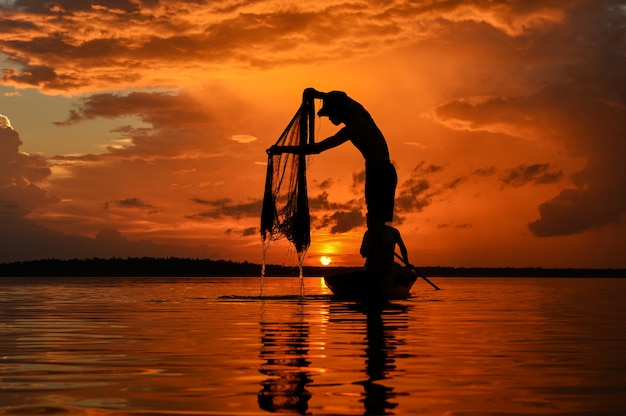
362, 285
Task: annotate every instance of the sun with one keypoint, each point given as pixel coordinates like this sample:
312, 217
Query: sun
325, 260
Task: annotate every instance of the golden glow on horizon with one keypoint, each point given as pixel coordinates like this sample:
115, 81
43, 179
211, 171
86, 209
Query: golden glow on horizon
325, 260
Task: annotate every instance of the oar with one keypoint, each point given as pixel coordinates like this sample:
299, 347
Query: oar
415, 269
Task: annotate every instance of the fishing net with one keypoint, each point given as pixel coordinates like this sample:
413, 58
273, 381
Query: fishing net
285, 212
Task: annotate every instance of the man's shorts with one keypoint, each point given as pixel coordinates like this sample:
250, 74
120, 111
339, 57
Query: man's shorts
380, 190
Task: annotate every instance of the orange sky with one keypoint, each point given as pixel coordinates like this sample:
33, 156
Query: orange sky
139, 128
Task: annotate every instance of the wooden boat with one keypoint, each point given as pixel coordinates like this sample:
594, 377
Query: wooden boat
364, 286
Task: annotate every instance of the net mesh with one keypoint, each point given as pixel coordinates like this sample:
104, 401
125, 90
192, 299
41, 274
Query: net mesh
285, 212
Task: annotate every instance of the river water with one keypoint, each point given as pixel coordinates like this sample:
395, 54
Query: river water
214, 346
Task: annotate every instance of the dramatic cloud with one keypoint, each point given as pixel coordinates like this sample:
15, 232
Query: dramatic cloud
133, 203
19, 175
250, 231
584, 125
582, 114
138, 44
5, 122
176, 123
20, 195
343, 221
538, 173
321, 202
336, 217
243, 138
225, 207
416, 193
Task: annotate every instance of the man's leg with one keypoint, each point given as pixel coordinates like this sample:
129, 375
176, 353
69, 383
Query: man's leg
375, 255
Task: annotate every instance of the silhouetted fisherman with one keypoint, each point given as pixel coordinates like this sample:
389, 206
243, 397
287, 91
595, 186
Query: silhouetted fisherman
380, 174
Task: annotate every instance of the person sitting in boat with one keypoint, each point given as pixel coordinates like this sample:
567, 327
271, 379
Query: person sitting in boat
390, 238
380, 175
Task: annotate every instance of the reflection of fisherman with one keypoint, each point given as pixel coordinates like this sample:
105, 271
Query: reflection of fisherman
380, 175
390, 237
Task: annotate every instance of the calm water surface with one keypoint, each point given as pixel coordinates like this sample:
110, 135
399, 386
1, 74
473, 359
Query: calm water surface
164, 346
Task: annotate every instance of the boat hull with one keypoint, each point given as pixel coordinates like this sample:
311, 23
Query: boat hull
364, 286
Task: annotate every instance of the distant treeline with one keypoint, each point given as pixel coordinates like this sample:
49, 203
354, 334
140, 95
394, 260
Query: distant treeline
150, 266
182, 267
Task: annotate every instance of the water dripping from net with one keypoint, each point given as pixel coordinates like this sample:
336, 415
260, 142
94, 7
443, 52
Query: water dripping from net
265, 245
301, 256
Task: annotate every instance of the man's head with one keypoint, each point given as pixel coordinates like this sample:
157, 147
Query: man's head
335, 105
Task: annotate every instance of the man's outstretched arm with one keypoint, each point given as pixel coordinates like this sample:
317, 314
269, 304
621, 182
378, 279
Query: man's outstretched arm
312, 148
403, 251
